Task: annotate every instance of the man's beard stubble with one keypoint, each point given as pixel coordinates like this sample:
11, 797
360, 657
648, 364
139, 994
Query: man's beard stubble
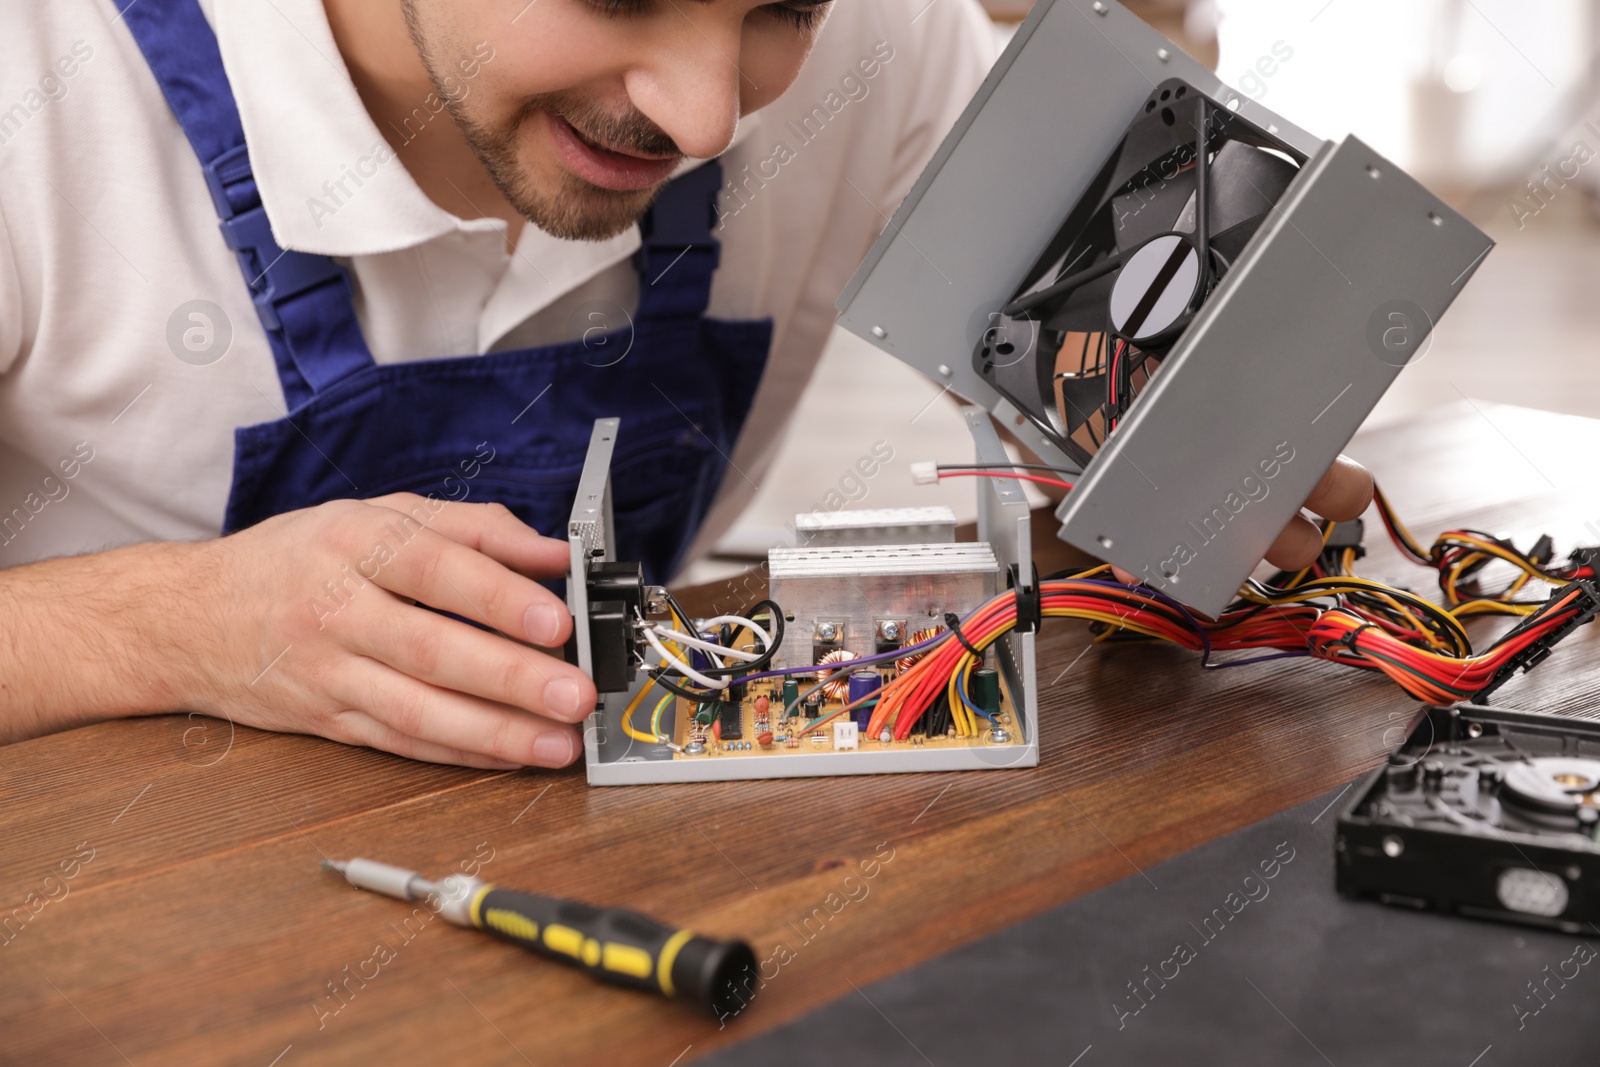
577, 210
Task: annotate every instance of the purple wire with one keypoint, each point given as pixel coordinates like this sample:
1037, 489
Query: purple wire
1205, 639
1258, 659
909, 650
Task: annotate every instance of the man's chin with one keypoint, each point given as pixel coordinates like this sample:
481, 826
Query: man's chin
585, 212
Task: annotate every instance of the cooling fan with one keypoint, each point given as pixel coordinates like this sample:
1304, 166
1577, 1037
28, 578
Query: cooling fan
1170, 294
1157, 230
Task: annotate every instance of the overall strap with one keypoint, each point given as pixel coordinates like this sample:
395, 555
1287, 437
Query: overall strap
678, 254
303, 300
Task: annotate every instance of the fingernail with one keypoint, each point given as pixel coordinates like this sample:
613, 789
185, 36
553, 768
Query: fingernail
561, 698
553, 749
542, 624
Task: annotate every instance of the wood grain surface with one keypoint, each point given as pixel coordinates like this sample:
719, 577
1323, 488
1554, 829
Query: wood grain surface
202, 931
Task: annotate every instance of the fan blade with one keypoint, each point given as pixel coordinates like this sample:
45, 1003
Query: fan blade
1152, 210
1084, 311
1081, 398
1245, 184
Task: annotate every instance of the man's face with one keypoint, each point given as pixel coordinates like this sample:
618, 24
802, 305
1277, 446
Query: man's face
587, 106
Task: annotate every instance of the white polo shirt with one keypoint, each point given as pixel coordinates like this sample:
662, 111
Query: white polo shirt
118, 404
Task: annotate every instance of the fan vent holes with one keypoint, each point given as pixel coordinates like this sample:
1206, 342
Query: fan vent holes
1150, 105
1181, 91
1168, 117
1166, 94
1435, 218
1005, 348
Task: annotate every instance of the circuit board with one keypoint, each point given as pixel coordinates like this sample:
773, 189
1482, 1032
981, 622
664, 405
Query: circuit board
753, 727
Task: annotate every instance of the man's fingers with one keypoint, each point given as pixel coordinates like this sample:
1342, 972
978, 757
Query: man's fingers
461, 658
1343, 493
1297, 547
454, 720
359, 728
446, 574
488, 528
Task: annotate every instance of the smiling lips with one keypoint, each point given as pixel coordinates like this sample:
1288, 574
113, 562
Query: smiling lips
618, 171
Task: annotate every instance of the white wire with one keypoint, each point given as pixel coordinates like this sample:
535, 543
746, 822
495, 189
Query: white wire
739, 620
707, 646
680, 666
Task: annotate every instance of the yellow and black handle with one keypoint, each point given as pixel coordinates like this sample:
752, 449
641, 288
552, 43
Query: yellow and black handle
621, 946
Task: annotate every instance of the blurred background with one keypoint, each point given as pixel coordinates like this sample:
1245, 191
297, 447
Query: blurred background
1493, 104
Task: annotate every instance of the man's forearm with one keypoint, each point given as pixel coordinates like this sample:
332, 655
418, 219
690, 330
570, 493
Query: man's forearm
95, 637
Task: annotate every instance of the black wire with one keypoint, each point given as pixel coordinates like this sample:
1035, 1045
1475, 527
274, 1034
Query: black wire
753, 666
1007, 466
732, 673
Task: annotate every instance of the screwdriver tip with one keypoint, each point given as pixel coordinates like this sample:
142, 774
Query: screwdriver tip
331, 865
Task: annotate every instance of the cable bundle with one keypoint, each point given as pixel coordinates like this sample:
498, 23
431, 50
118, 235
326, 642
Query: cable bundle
1323, 612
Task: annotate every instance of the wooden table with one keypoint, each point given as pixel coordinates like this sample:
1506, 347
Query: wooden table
202, 930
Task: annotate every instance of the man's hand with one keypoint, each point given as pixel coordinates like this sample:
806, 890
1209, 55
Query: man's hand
313, 622
1342, 494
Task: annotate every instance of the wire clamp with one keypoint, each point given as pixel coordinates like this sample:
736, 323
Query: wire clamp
1030, 611
952, 621
1349, 639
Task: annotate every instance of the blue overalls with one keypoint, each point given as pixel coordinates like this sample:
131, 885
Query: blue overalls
359, 429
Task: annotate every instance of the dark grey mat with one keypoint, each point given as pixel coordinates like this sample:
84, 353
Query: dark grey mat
1290, 975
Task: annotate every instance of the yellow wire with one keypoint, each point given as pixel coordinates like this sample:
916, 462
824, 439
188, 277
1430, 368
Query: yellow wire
1325, 535
1400, 527
627, 715
655, 716
966, 683
1376, 589
959, 712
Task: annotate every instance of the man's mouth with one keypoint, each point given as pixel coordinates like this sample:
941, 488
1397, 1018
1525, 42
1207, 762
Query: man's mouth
607, 167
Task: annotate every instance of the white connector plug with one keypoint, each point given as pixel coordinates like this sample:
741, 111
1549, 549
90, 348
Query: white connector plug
926, 473
845, 735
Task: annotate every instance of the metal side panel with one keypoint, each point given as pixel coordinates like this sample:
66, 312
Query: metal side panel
1004, 520
590, 536
1275, 374
1052, 110
816, 765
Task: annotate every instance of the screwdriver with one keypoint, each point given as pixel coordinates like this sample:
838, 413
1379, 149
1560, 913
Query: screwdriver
613, 944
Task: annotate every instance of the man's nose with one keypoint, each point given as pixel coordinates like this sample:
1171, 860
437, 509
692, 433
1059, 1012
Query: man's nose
691, 85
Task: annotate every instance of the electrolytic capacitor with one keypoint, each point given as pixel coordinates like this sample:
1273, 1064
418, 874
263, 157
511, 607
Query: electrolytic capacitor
791, 696
986, 690
862, 684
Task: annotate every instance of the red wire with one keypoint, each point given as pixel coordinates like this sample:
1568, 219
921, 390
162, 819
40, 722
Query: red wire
1111, 382
1059, 484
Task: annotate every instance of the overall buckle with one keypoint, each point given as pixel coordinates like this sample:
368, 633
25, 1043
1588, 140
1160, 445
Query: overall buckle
274, 274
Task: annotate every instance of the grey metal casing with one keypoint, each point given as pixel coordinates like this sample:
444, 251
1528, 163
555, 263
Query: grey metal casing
613, 758
1273, 378
590, 532
1290, 317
